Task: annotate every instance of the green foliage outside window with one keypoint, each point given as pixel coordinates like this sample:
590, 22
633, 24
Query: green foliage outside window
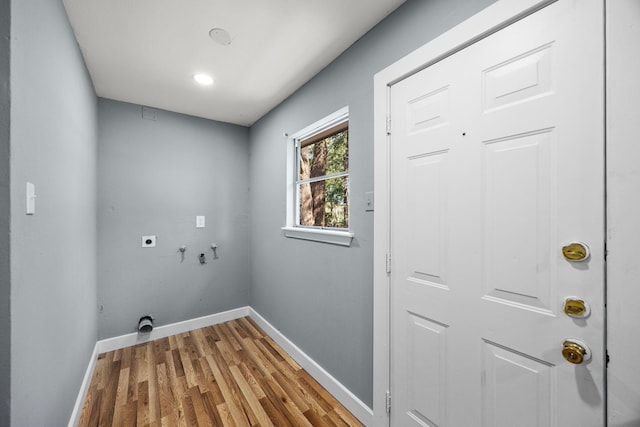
324, 202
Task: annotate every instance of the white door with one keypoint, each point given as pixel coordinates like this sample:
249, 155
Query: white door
497, 163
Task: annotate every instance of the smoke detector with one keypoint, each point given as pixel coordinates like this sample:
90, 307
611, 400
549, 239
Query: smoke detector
220, 36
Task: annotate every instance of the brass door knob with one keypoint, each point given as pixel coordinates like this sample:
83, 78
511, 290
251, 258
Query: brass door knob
575, 351
575, 252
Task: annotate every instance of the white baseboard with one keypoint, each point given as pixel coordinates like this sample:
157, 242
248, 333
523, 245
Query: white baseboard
128, 340
77, 408
349, 400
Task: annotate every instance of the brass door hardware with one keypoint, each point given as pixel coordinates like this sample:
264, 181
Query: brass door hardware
576, 307
575, 252
575, 351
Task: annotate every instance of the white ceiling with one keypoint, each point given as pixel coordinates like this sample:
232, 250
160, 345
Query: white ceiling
146, 51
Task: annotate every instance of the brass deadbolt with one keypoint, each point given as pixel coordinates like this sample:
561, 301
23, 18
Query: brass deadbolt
575, 252
576, 307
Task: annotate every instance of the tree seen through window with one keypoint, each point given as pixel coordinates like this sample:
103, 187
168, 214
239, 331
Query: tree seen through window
323, 179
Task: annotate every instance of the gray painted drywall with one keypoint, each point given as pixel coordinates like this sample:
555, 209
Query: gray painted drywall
154, 177
53, 253
320, 296
5, 269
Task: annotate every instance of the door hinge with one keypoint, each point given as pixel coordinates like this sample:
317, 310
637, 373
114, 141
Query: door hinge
388, 402
388, 125
388, 263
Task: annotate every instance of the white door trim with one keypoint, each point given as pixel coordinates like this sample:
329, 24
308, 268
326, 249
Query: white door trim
623, 210
488, 21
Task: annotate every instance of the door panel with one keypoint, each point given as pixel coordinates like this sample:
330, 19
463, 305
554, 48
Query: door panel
496, 163
519, 79
426, 243
427, 360
517, 221
512, 382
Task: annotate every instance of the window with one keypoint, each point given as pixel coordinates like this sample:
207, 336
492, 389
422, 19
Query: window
323, 178
318, 195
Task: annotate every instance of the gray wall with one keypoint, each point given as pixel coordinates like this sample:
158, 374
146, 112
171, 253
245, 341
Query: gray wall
154, 177
53, 253
320, 296
5, 270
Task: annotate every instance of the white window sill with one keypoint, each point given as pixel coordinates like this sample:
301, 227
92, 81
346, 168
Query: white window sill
342, 238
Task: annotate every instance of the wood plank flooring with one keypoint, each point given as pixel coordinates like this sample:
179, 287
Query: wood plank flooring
230, 374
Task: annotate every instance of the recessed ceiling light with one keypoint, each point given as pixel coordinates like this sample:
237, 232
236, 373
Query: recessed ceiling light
221, 36
203, 79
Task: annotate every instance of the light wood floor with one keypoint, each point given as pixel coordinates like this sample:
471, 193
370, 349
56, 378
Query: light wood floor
231, 374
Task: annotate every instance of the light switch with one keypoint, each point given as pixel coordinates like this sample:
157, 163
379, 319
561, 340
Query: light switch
31, 199
200, 222
368, 196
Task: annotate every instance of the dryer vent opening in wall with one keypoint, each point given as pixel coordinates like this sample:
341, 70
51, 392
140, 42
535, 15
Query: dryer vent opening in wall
145, 325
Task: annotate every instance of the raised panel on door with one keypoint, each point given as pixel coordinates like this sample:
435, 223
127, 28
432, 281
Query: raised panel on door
518, 79
517, 228
427, 360
426, 210
513, 381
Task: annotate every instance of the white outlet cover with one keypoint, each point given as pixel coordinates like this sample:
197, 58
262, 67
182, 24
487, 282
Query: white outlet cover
148, 241
200, 221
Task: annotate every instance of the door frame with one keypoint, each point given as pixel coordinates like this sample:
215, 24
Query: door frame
622, 26
479, 26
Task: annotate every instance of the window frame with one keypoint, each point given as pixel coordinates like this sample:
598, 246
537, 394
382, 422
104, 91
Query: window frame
293, 229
